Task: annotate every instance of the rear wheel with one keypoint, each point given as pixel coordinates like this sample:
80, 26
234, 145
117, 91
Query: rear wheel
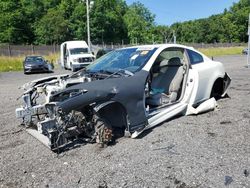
217, 89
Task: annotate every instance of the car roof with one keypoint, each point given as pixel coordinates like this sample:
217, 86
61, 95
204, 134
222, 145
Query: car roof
161, 45
76, 44
34, 56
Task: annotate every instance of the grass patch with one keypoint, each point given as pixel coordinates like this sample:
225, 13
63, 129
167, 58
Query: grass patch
11, 63
16, 63
221, 51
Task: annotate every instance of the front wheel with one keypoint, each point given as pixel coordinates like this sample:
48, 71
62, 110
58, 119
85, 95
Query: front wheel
72, 68
104, 132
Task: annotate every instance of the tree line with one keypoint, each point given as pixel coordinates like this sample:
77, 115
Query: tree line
55, 21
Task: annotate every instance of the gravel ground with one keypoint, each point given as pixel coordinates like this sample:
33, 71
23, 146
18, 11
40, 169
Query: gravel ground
208, 150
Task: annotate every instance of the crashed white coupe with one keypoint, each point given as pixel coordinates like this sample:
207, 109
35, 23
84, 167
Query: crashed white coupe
126, 91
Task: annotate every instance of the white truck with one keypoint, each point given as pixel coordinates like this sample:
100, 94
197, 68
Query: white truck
75, 55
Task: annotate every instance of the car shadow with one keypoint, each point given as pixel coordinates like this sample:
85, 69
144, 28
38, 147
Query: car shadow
69, 146
146, 132
221, 98
31, 73
118, 133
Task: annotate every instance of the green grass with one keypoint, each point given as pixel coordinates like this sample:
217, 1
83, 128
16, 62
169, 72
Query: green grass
16, 63
11, 63
221, 51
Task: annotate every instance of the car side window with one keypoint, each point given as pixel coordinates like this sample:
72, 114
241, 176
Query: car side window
167, 54
171, 53
194, 57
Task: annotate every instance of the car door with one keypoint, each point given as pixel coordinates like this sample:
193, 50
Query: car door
172, 109
204, 69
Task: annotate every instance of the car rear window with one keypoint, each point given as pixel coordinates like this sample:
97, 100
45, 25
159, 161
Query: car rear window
34, 59
194, 57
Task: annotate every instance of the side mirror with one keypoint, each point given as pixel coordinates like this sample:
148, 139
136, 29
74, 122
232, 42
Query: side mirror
51, 66
93, 53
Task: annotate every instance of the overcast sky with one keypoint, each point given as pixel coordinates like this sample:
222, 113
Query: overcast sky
170, 11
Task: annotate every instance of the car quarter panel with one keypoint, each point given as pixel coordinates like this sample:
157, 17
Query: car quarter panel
208, 72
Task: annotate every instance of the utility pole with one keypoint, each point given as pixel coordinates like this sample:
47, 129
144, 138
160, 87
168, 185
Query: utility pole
248, 52
174, 37
88, 29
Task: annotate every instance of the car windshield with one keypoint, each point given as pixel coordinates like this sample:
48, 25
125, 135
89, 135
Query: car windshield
34, 59
130, 59
75, 51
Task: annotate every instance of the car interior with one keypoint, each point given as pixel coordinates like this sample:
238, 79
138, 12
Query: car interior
166, 78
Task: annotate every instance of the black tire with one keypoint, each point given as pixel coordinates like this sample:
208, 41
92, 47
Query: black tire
104, 132
217, 89
72, 68
64, 67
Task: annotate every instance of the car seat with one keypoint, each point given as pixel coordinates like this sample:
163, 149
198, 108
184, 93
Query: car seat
167, 81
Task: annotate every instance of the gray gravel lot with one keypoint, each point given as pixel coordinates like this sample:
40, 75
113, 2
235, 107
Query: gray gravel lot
208, 150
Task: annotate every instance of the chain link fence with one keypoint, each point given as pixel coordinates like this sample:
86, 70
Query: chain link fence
24, 50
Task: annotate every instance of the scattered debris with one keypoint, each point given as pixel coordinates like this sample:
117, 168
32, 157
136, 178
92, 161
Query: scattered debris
246, 173
176, 181
168, 149
211, 134
206, 106
103, 184
13, 132
79, 181
182, 185
228, 180
225, 122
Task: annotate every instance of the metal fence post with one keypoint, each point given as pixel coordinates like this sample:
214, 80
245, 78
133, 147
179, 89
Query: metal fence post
54, 47
248, 51
32, 49
9, 50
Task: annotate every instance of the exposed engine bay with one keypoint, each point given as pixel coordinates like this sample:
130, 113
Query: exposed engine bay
58, 127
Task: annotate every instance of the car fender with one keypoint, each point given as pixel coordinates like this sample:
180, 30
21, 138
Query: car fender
219, 73
131, 96
114, 113
102, 105
207, 73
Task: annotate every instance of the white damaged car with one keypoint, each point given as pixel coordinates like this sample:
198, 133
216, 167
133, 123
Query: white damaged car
126, 91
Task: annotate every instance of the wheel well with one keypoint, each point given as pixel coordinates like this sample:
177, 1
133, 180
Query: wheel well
114, 114
217, 89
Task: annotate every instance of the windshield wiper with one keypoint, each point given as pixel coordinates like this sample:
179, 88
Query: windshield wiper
120, 72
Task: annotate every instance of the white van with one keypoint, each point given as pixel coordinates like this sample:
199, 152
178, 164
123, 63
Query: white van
75, 55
